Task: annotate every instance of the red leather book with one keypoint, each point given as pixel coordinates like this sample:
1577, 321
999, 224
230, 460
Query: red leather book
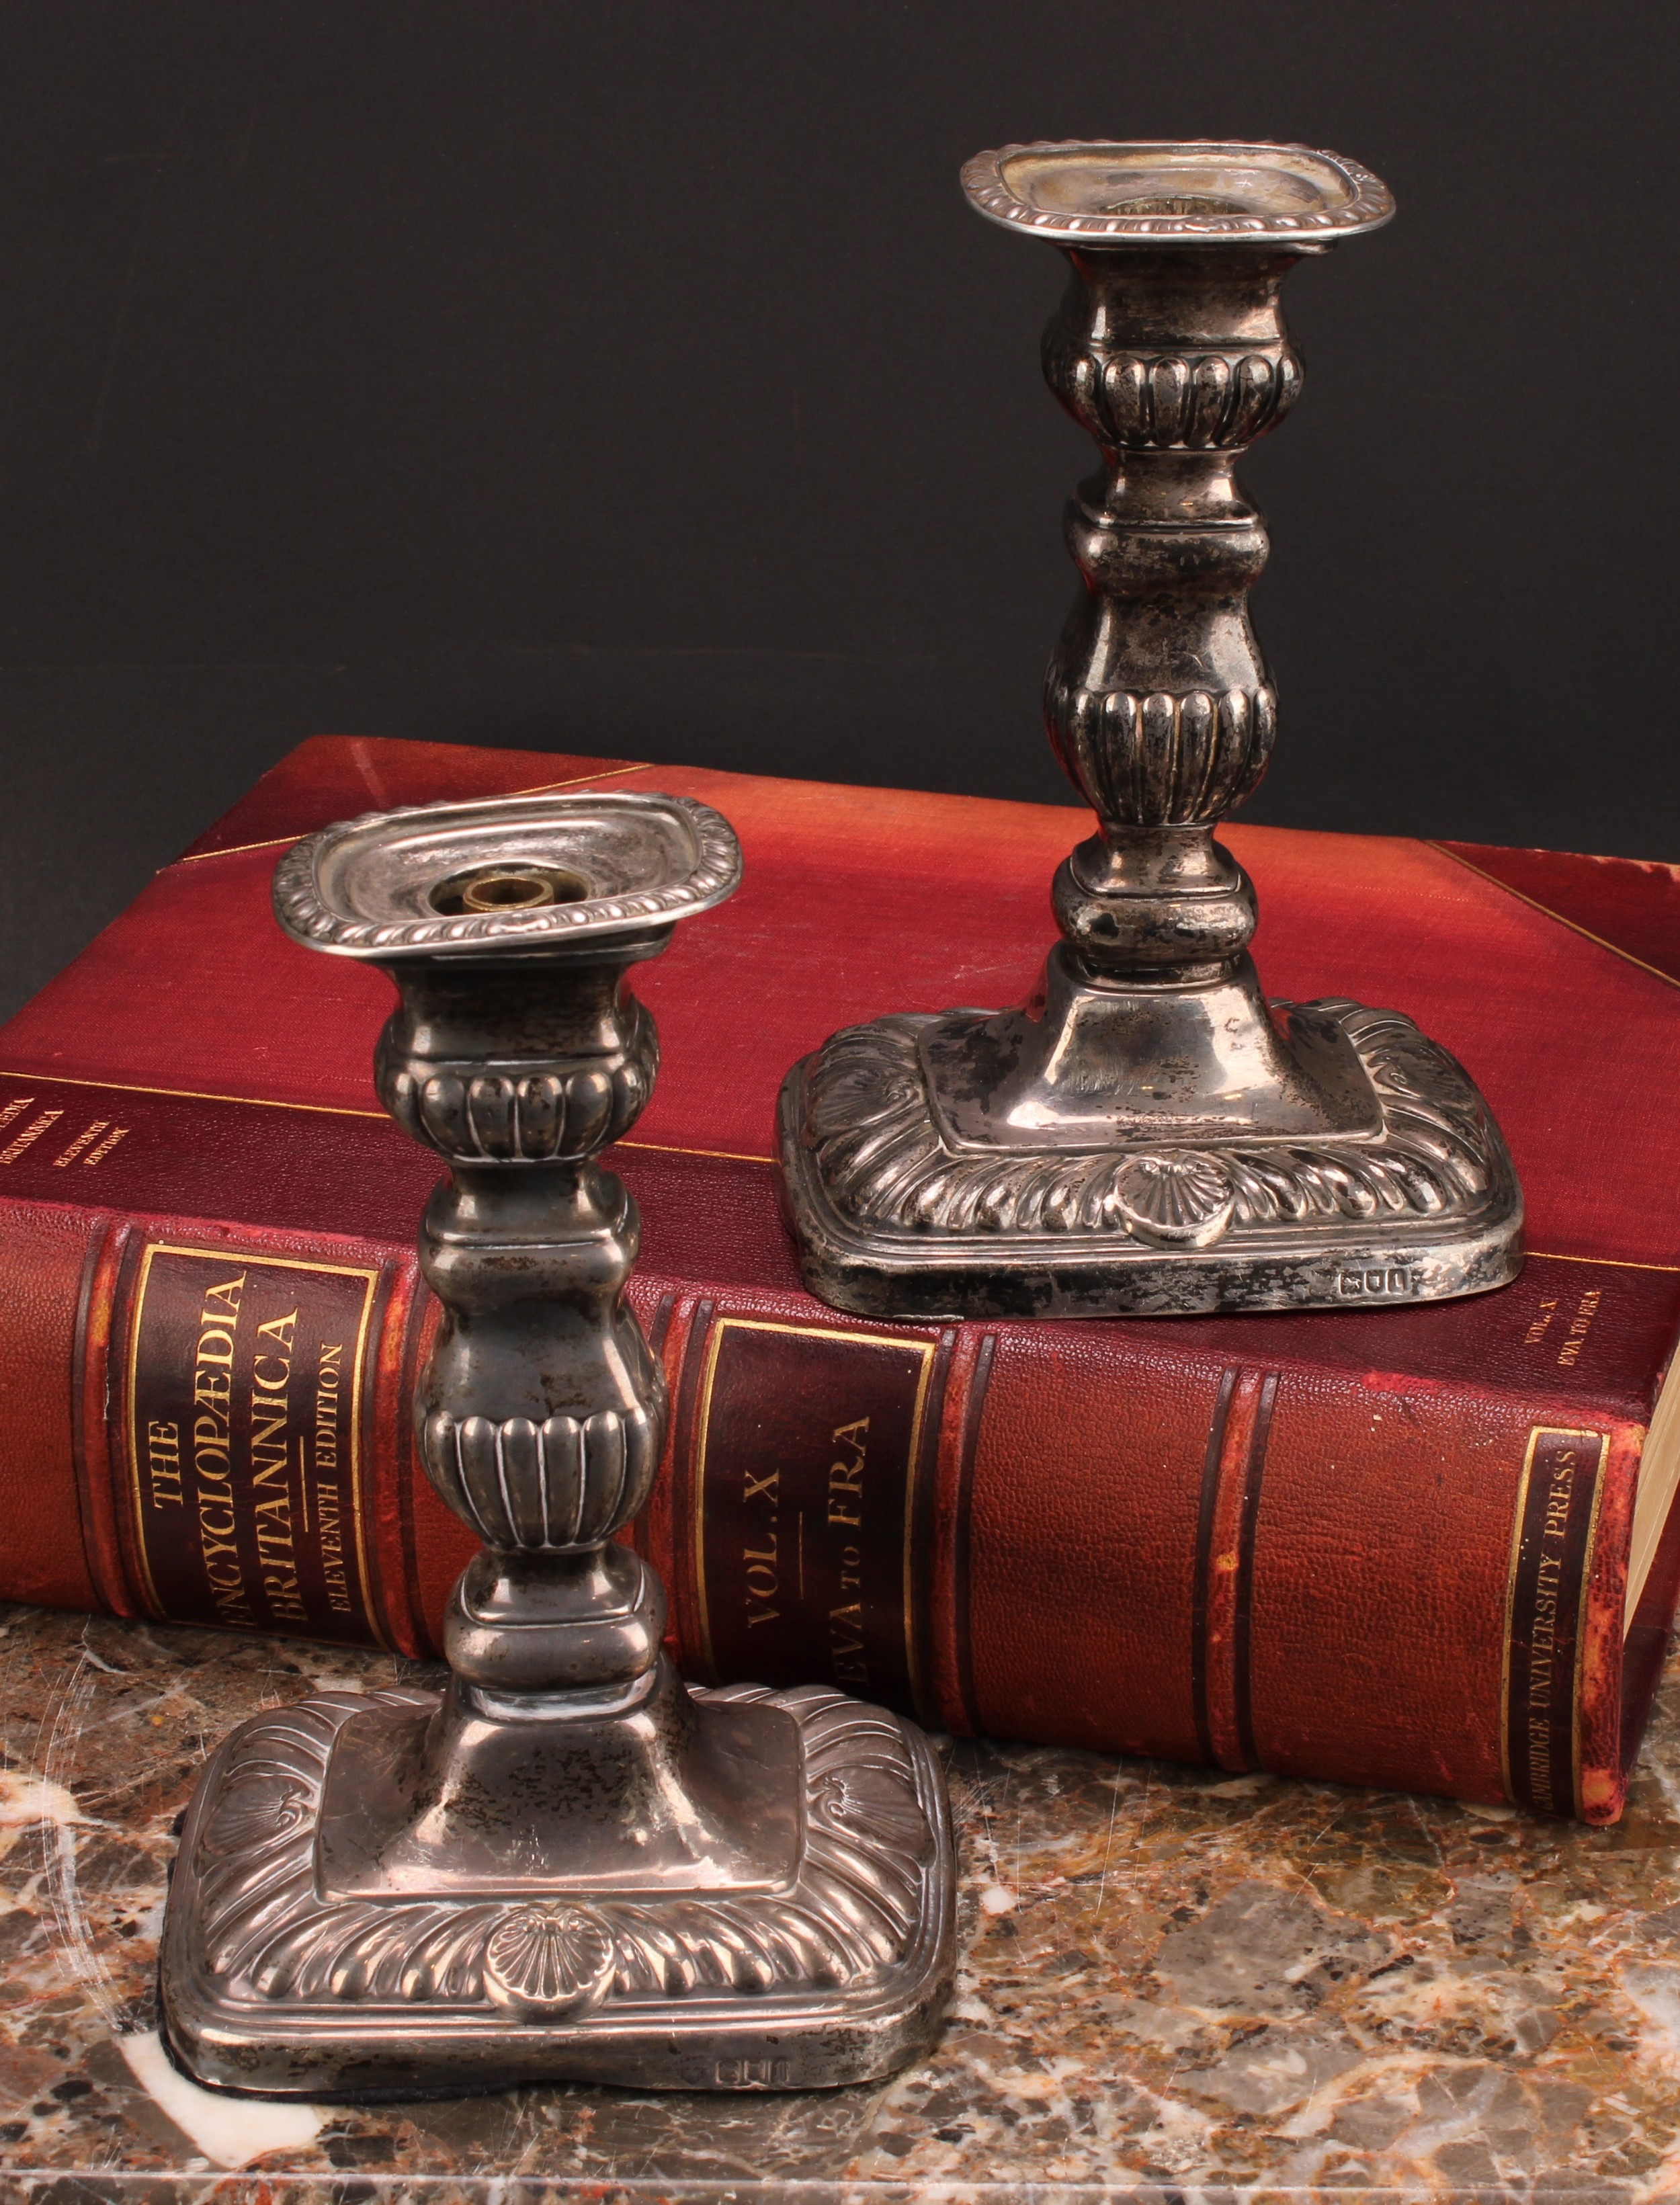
1384, 1545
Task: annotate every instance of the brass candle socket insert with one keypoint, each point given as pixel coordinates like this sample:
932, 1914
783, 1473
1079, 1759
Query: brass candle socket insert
566, 1864
1144, 1136
506, 888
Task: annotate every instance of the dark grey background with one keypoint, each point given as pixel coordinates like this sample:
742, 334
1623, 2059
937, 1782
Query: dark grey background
631, 377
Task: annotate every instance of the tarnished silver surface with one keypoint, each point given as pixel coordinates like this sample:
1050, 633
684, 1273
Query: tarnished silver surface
566, 1865
898, 1216
1145, 1134
829, 1968
390, 884
1077, 190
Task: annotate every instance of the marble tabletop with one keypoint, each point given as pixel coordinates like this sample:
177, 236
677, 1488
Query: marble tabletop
1174, 1984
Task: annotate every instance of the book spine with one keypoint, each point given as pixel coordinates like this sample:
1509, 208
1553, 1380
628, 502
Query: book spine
1048, 1531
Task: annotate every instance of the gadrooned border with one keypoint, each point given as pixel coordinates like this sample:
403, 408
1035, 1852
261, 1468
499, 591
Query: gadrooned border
446, 2036
308, 919
1372, 204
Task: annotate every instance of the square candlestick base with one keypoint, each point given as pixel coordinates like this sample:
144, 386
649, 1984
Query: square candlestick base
290, 1970
1404, 1193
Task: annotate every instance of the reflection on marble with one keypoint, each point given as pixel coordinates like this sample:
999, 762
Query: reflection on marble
1175, 1984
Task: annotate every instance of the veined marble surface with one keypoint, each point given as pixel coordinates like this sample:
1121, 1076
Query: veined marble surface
1174, 1984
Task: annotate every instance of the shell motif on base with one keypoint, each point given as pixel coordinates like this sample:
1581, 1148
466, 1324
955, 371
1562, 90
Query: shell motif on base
550, 1960
1181, 1201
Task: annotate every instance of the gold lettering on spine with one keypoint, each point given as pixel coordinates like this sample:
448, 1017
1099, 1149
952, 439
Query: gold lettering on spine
843, 1501
1536, 1331
329, 1520
213, 1450
1543, 1649
31, 1133
259, 1436
846, 1476
163, 1457
846, 1655
87, 1134
1580, 1325
848, 1660
270, 1469
761, 1564
762, 1581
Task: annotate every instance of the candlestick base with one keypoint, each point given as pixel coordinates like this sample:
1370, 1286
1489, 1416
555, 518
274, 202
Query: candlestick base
1330, 1157
732, 1889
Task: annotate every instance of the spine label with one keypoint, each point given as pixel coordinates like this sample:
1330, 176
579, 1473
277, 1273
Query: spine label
244, 1383
808, 1465
1551, 1542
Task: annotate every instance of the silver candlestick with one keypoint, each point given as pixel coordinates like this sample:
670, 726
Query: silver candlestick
1142, 1135
566, 1864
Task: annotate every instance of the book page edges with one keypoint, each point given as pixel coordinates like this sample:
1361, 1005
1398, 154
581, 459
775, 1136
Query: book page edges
1658, 1477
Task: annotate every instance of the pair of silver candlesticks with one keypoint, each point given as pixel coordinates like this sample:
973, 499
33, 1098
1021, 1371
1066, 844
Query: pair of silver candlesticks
569, 1864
